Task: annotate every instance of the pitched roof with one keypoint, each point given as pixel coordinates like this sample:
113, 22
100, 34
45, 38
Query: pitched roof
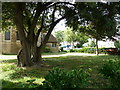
51, 39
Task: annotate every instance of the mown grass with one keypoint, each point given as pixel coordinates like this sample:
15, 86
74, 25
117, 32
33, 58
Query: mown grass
17, 77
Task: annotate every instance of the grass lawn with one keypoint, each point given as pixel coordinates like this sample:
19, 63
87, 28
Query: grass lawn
16, 77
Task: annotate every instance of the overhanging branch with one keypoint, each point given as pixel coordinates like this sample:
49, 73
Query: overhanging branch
42, 46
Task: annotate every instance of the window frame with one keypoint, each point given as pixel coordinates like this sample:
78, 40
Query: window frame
7, 36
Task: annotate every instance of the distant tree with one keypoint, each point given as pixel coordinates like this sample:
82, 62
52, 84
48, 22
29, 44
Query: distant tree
70, 36
74, 36
96, 19
117, 44
59, 35
92, 44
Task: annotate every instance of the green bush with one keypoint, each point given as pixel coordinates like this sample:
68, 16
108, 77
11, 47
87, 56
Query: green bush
90, 50
47, 50
58, 79
87, 50
72, 50
111, 71
117, 44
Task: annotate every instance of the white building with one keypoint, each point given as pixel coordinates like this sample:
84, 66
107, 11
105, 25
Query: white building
102, 44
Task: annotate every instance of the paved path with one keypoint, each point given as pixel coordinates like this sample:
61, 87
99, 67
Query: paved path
45, 56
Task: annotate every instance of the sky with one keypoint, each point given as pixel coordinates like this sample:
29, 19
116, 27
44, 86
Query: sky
60, 26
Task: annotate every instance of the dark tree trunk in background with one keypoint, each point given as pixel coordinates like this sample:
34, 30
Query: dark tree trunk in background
97, 53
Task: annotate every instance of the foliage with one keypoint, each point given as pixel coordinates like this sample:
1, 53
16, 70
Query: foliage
78, 45
72, 36
59, 36
47, 50
72, 50
31, 20
87, 50
95, 19
117, 44
16, 77
111, 71
58, 79
92, 44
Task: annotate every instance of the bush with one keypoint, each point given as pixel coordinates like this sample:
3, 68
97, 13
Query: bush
91, 50
117, 44
79, 45
58, 79
111, 71
72, 50
47, 50
87, 50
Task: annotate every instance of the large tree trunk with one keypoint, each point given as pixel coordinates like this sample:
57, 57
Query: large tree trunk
26, 46
36, 55
27, 53
24, 56
97, 53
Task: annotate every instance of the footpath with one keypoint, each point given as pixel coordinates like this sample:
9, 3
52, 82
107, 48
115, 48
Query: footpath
45, 56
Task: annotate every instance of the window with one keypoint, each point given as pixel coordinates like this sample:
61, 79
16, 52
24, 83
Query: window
7, 35
17, 35
53, 44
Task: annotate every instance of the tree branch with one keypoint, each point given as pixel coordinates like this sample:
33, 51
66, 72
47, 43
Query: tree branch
40, 29
42, 46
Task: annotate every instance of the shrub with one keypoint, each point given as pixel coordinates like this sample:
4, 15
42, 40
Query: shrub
47, 50
111, 71
90, 50
58, 79
72, 50
87, 50
117, 44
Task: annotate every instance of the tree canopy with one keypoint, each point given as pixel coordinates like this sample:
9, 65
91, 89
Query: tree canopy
97, 19
74, 36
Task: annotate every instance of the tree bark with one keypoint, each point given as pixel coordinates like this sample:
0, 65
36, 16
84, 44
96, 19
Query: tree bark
27, 53
26, 46
97, 53
27, 43
39, 50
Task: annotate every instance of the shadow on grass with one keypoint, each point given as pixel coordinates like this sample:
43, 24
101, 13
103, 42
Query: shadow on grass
67, 63
35, 73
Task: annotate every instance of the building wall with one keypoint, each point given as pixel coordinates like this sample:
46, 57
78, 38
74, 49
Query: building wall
106, 44
53, 49
13, 45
